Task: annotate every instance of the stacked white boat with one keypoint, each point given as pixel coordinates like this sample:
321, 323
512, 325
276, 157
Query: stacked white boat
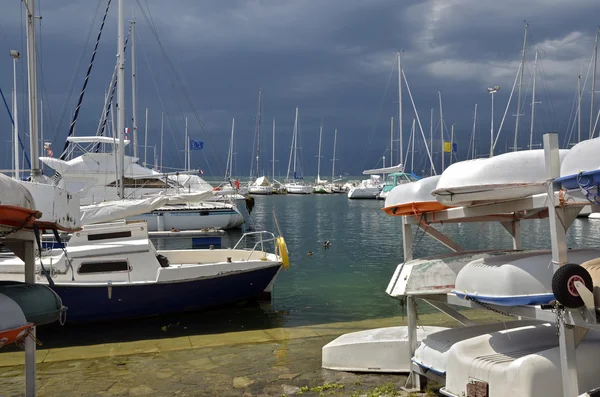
521, 357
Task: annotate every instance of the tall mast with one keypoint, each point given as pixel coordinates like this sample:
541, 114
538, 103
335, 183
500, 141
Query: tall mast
319, 157
295, 141
32, 88
594, 83
533, 102
392, 141
333, 159
146, 140
473, 133
121, 98
401, 152
441, 129
162, 137
431, 137
133, 91
187, 146
273, 156
412, 155
229, 166
451, 143
515, 146
16, 55
578, 108
258, 133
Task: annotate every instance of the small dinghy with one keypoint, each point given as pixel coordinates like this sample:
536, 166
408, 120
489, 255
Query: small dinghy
413, 198
375, 350
523, 362
519, 279
39, 303
498, 178
432, 353
580, 169
13, 324
435, 274
17, 207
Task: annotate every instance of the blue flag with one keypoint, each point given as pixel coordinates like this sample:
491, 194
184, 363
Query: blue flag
196, 145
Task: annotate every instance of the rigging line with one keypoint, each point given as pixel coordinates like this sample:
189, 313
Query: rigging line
85, 82
13, 123
63, 112
178, 78
378, 115
567, 138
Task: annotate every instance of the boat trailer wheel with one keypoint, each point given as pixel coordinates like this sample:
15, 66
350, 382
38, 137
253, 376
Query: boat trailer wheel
563, 284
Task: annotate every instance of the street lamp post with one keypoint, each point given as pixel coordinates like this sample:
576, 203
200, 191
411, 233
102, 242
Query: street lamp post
15, 55
492, 91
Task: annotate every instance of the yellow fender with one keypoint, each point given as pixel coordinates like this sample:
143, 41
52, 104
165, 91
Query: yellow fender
283, 252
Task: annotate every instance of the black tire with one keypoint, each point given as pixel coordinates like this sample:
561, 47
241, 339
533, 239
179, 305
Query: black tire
563, 287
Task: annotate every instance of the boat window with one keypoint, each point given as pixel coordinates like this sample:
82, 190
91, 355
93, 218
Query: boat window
146, 183
106, 236
103, 267
204, 213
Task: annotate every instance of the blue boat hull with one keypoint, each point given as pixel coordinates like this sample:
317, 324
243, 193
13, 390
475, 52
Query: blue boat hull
86, 304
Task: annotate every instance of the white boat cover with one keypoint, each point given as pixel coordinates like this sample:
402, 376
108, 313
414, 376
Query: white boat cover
262, 181
414, 192
95, 139
385, 170
523, 362
114, 210
582, 157
15, 194
504, 177
188, 198
519, 279
192, 183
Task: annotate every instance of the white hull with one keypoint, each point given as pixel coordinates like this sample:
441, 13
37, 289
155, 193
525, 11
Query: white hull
375, 350
522, 362
261, 190
203, 216
298, 189
363, 193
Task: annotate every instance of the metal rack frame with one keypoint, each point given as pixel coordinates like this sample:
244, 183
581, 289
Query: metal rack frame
561, 208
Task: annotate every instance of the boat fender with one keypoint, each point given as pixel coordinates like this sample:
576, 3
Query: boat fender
163, 260
110, 290
283, 252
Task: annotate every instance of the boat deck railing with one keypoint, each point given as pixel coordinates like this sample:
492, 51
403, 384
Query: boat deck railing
263, 238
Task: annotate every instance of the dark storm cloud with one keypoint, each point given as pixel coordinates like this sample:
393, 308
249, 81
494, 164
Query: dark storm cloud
331, 58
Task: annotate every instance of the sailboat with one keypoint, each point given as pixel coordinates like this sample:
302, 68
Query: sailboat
261, 185
320, 184
294, 186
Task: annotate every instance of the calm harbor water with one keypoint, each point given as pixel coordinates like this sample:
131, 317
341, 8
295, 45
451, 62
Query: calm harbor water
343, 283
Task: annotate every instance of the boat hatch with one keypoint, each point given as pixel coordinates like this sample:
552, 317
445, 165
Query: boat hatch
107, 236
103, 267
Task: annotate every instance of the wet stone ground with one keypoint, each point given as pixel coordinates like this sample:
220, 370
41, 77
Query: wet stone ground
287, 368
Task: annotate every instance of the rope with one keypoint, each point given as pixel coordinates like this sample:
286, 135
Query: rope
13, 123
36, 231
85, 83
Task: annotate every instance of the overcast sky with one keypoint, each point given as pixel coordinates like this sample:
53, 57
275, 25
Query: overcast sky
334, 59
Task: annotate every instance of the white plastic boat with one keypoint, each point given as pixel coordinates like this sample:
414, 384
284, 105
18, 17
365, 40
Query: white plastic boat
518, 279
413, 198
367, 189
523, 362
432, 353
261, 186
298, 188
374, 350
507, 176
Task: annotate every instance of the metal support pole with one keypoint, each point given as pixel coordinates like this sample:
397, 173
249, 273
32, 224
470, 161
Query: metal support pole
514, 228
30, 364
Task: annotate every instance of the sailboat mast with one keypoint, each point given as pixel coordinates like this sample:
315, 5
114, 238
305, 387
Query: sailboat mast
594, 84
441, 129
401, 152
146, 140
273, 155
16, 166
133, 91
451, 142
121, 98
319, 159
32, 88
412, 155
431, 137
578, 108
295, 141
533, 102
258, 133
333, 159
187, 146
473, 133
392, 141
515, 146
228, 167
162, 137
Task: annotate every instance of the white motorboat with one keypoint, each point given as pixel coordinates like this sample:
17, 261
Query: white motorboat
261, 186
298, 188
523, 278
376, 350
413, 198
522, 362
110, 271
492, 179
367, 189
